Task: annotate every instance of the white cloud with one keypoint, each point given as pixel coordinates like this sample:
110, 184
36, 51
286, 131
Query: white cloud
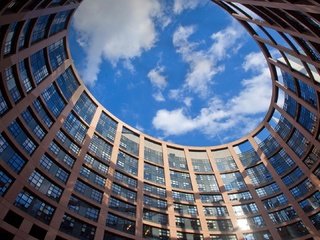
156, 77
158, 81
238, 112
158, 96
180, 5
115, 30
204, 64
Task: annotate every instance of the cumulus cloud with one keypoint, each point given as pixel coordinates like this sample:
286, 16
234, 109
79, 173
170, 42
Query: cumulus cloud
218, 116
158, 81
115, 30
156, 77
204, 64
181, 5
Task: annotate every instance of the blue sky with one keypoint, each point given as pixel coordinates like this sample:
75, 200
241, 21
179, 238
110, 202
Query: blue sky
186, 73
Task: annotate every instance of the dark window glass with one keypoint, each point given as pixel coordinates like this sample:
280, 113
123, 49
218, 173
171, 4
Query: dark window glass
121, 224
67, 83
57, 54
34, 206
85, 108
77, 228
40, 29
106, 127
38, 66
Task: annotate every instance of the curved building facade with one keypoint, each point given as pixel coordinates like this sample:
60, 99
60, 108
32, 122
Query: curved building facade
69, 169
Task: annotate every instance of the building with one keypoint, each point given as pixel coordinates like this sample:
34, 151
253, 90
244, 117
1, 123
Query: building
69, 169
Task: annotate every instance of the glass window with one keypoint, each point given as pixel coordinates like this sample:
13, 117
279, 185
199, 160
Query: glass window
246, 154
292, 177
153, 155
155, 217
258, 235
33, 125
106, 127
160, 192
92, 176
201, 165
220, 225
281, 162
67, 142
67, 83
57, 54
292, 231
211, 198
5, 182
184, 209
88, 191
53, 100
207, 183
77, 228
154, 202
245, 209
177, 162
22, 138
233, 181
83, 208
180, 196
302, 189
24, 76
85, 108
34, 206
155, 233
40, 29
154, 174
12, 84
122, 206
268, 190
251, 223
24, 34
124, 192
224, 160
125, 179
311, 203
189, 236
267, 143
3, 104
242, 196
9, 41
315, 219
100, 148
129, 141
59, 22
121, 224
75, 128
54, 170
188, 223
216, 211
283, 215
307, 93
127, 163
274, 202
180, 180
45, 186
10, 156
307, 119
259, 175
43, 115
95, 164
38, 66
61, 154
280, 125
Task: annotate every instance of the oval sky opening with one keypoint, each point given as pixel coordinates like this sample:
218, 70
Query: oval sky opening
188, 74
